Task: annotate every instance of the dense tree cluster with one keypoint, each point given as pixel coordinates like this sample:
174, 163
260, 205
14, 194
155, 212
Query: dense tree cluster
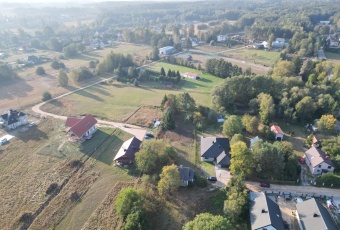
6, 72
221, 68
81, 74
114, 61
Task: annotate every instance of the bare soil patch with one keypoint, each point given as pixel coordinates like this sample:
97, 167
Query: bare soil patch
144, 116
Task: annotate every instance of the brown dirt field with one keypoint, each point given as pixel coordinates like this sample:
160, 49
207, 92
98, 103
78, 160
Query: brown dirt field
105, 217
144, 116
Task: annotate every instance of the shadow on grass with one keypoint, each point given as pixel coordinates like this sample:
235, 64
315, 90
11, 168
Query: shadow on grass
87, 94
205, 80
89, 146
33, 134
100, 89
6, 91
193, 85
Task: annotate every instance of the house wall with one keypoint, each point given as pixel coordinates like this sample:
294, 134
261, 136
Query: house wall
318, 169
279, 136
184, 183
207, 159
298, 219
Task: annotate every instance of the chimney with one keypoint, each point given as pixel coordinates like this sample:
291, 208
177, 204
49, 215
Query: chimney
181, 166
213, 142
219, 146
124, 150
315, 215
263, 211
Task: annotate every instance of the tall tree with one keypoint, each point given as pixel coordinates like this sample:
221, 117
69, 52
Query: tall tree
187, 102
240, 163
305, 109
168, 119
270, 41
62, 78
266, 108
126, 201
145, 161
250, 123
236, 138
327, 123
232, 126
208, 221
169, 181
284, 69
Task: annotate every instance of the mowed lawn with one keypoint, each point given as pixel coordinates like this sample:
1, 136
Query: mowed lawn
263, 57
334, 57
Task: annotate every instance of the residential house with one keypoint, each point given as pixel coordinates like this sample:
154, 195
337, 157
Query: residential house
194, 76
222, 38
32, 59
215, 149
324, 23
255, 139
311, 215
13, 119
126, 153
333, 41
264, 213
185, 57
220, 118
186, 175
316, 142
278, 132
258, 46
80, 129
318, 161
167, 50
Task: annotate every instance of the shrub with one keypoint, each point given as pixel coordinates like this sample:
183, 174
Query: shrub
74, 197
40, 70
201, 181
329, 179
51, 188
26, 217
46, 96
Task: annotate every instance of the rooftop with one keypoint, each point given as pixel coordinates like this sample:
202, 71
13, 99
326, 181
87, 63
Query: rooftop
317, 156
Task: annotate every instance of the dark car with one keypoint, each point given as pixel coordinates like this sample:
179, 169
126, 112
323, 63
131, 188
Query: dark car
211, 178
302, 160
150, 135
264, 184
3, 141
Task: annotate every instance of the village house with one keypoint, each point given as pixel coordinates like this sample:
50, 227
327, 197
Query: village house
80, 129
194, 76
277, 131
222, 38
316, 142
311, 214
13, 119
264, 213
318, 161
186, 175
185, 57
126, 153
215, 149
167, 50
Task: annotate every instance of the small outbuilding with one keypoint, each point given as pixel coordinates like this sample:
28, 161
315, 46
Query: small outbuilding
278, 132
186, 175
126, 153
194, 76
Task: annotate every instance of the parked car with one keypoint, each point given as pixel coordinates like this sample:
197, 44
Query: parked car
302, 160
211, 178
288, 197
264, 184
3, 141
31, 124
149, 135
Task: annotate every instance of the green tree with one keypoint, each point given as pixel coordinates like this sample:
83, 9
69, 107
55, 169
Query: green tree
62, 78
266, 108
232, 126
327, 123
208, 221
284, 69
127, 201
40, 70
187, 43
145, 161
305, 109
136, 221
55, 45
154, 54
46, 96
250, 123
236, 138
240, 163
169, 181
270, 41
188, 104
168, 119
55, 64
162, 72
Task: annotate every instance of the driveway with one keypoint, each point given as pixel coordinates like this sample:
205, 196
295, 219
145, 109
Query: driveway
223, 176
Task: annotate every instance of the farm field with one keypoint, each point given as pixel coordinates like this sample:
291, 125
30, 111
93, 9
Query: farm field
263, 57
31, 163
28, 88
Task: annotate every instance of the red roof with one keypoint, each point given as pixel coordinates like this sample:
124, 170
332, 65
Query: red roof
71, 121
276, 129
82, 126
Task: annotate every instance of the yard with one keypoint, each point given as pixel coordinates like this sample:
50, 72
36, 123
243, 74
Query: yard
31, 163
263, 57
334, 57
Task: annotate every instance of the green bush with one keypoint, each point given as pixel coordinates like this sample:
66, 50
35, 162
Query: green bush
40, 71
201, 181
329, 179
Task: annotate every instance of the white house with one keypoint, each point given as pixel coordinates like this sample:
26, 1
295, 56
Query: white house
317, 161
215, 149
13, 119
80, 129
278, 132
194, 76
222, 38
264, 213
186, 175
167, 50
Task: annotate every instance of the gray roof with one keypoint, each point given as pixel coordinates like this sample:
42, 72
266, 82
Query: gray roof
128, 150
223, 159
186, 174
317, 156
313, 215
212, 147
12, 116
264, 212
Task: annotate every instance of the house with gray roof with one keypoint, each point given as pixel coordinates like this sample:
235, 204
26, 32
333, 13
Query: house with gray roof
126, 153
186, 175
318, 161
311, 214
13, 119
215, 149
264, 213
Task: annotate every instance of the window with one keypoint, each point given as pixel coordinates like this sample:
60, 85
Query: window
319, 166
329, 167
318, 170
206, 158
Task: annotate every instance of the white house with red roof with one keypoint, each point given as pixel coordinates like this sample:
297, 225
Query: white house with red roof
80, 129
278, 132
194, 76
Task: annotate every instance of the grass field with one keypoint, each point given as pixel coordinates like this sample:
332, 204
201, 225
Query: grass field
31, 162
334, 57
263, 57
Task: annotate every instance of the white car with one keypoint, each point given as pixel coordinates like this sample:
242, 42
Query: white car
3, 141
31, 124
